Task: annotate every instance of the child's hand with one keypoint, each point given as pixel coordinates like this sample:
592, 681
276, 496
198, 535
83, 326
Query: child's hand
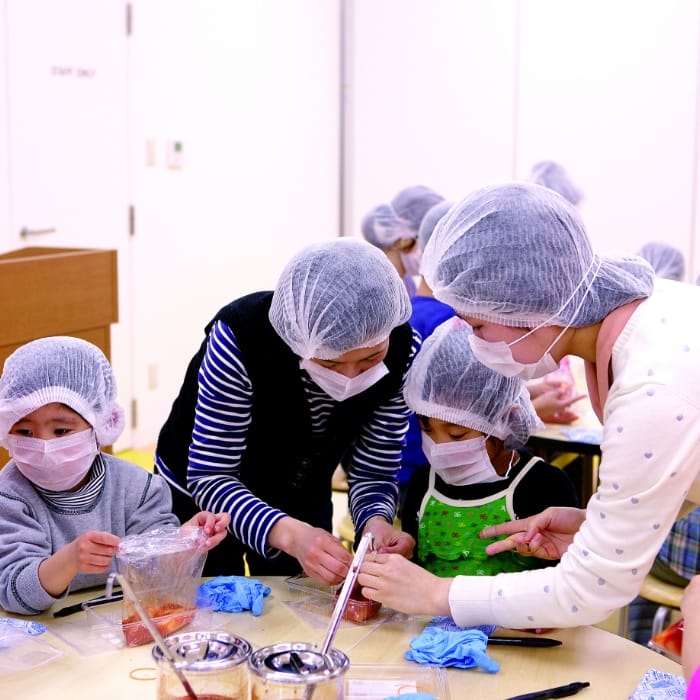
214, 525
92, 551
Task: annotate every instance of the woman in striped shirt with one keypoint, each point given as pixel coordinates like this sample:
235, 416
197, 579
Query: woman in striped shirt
284, 383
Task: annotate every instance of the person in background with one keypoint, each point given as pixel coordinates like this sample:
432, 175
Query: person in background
64, 504
554, 395
427, 313
553, 176
282, 385
515, 262
474, 421
667, 260
394, 228
690, 609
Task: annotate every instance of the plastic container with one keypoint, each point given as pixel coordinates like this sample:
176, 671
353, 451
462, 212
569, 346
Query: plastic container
364, 681
287, 670
214, 664
358, 609
110, 629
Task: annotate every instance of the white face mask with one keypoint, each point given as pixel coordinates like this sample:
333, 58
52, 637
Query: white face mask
411, 260
340, 387
499, 357
461, 462
57, 464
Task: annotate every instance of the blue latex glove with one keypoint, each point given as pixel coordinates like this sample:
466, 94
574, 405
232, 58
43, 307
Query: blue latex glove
439, 647
412, 696
444, 622
232, 594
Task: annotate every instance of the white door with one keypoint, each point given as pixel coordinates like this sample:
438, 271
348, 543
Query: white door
236, 166
67, 118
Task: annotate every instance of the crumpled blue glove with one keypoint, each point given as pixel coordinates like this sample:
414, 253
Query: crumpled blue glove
439, 647
412, 696
232, 594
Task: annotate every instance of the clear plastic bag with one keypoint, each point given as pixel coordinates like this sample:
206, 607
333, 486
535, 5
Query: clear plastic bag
164, 568
20, 651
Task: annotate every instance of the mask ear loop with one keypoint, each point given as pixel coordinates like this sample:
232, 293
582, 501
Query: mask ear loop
566, 303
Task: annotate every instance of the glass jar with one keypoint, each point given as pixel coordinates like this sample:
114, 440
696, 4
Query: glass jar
297, 671
213, 663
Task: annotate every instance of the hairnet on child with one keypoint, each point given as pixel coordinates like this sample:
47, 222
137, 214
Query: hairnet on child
338, 296
667, 261
432, 216
411, 204
382, 227
553, 176
61, 369
447, 382
517, 254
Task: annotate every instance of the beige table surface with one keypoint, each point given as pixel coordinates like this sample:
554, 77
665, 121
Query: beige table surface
611, 664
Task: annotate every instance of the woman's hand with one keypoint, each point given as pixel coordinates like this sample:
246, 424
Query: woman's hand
214, 525
392, 580
322, 556
554, 406
387, 539
546, 535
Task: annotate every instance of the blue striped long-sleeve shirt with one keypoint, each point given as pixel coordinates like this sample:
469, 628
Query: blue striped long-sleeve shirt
222, 419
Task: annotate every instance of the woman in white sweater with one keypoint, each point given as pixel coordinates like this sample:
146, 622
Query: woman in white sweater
514, 261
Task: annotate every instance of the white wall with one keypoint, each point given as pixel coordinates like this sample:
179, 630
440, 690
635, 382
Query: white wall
447, 93
4, 146
456, 95
431, 98
250, 90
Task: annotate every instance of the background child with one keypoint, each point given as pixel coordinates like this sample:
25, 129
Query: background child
64, 504
473, 419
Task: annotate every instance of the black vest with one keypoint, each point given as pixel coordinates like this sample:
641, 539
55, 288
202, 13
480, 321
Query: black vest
283, 463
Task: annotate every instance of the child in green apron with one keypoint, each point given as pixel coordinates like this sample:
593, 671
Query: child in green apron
474, 423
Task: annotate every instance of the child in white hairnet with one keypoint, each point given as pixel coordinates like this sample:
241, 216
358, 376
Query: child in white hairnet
394, 228
550, 174
667, 260
64, 504
515, 262
474, 421
285, 383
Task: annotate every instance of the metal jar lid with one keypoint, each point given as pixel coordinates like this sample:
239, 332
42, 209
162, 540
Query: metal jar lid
297, 662
205, 651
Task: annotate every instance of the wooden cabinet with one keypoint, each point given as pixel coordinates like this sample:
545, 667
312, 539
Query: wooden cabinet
57, 291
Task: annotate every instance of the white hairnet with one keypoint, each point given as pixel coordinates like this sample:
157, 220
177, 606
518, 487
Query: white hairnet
430, 220
338, 296
382, 227
61, 369
552, 175
517, 254
411, 204
666, 260
447, 382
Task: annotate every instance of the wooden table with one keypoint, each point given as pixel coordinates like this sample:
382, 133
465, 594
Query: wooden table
611, 664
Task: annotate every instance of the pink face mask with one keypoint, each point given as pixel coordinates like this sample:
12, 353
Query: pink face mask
57, 464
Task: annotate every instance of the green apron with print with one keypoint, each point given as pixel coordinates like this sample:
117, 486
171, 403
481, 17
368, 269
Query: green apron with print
449, 544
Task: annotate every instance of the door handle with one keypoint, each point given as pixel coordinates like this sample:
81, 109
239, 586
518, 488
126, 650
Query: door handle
26, 232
